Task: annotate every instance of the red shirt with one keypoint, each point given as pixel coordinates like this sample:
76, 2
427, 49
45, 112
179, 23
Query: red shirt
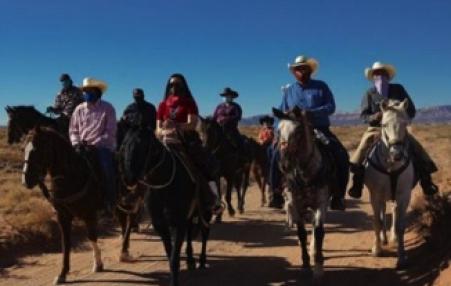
266, 135
177, 108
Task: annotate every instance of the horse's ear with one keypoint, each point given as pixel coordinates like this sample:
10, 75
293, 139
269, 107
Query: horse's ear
8, 109
279, 113
404, 104
383, 105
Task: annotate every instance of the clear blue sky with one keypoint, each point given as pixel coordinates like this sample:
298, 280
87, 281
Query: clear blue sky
245, 44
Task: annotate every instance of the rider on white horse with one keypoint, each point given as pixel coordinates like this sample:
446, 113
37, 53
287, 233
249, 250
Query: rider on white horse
381, 74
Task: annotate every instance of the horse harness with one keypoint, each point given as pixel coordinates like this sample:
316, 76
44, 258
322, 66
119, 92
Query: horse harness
393, 175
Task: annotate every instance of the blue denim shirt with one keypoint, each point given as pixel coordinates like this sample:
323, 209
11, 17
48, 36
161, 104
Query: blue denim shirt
315, 96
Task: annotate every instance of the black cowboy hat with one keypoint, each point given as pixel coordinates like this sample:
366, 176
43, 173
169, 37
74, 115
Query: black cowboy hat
64, 77
229, 92
266, 118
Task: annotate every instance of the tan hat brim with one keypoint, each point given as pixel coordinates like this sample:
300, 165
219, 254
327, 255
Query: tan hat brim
388, 68
312, 63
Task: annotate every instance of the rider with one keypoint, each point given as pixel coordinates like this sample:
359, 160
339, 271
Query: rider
138, 114
266, 133
93, 125
381, 75
65, 102
227, 115
316, 97
177, 115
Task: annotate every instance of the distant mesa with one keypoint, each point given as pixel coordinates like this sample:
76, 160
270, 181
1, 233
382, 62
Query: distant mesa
434, 114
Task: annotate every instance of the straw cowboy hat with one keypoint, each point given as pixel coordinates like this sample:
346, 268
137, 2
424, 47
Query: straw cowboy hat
92, 82
304, 61
229, 93
391, 71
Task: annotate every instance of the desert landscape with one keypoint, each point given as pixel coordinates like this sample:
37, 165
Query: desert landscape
255, 248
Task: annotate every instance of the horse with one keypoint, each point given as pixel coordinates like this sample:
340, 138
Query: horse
23, 118
173, 199
390, 176
308, 169
75, 184
260, 167
233, 167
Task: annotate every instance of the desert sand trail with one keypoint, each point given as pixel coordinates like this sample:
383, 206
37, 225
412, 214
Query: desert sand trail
255, 248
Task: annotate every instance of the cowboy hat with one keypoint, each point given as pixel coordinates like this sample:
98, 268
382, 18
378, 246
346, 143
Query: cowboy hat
92, 82
266, 118
304, 61
229, 93
391, 71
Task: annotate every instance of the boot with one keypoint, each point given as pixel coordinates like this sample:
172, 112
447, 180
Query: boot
337, 204
429, 188
357, 181
276, 200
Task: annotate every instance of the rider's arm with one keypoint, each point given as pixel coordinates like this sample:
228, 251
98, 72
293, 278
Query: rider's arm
411, 111
74, 130
190, 124
328, 106
366, 113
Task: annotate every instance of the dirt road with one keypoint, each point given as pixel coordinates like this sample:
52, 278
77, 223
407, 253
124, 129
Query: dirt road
251, 249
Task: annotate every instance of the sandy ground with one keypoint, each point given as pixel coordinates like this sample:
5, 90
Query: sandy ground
251, 249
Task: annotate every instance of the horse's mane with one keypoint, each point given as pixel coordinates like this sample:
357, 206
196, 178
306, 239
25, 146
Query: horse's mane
25, 108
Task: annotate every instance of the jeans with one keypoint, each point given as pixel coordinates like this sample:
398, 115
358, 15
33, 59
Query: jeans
105, 157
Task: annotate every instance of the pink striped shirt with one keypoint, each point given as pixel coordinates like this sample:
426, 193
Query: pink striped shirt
95, 124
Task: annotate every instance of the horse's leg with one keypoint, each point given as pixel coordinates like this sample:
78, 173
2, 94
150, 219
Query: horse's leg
245, 185
263, 191
218, 186
400, 228
258, 180
180, 232
91, 226
240, 192
163, 230
126, 230
205, 232
65, 225
316, 245
302, 235
393, 234
230, 208
377, 205
383, 219
190, 261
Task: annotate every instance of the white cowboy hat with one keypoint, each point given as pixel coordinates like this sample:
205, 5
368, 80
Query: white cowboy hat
380, 66
92, 82
304, 61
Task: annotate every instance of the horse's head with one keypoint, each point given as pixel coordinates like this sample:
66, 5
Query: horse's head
295, 130
394, 127
134, 155
38, 154
210, 132
21, 119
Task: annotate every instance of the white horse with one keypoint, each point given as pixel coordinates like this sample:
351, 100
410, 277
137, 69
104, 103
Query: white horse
390, 176
308, 174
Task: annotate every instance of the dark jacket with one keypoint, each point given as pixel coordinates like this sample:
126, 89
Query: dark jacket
141, 114
372, 99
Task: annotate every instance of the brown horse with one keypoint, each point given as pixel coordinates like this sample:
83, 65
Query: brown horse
260, 166
75, 184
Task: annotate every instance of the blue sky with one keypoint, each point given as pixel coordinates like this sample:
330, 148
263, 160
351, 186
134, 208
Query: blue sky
237, 43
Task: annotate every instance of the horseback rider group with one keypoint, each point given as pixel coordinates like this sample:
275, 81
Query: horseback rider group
91, 121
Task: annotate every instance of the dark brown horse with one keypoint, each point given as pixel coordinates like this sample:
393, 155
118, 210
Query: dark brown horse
22, 119
260, 167
76, 187
234, 164
173, 200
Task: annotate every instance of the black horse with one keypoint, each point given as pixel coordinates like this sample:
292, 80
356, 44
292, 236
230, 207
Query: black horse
234, 164
174, 199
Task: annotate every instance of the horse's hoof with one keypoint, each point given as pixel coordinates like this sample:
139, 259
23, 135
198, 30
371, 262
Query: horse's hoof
401, 264
126, 257
376, 251
231, 212
318, 271
241, 211
97, 268
191, 265
203, 266
59, 280
218, 219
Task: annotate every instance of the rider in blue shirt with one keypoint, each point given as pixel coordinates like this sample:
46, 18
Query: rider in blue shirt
316, 97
